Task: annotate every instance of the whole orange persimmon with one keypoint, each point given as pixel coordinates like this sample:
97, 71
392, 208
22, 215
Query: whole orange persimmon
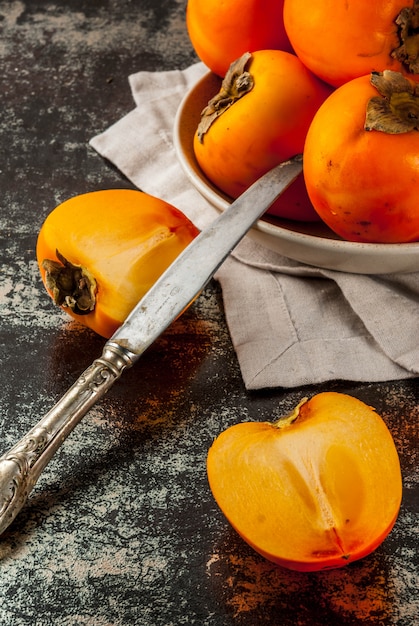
259, 118
221, 32
361, 164
99, 252
342, 40
315, 490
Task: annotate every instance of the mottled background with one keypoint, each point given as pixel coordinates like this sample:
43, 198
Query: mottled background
121, 529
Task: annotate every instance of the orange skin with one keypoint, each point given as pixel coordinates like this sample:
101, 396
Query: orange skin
266, 126
316, 494
363, 184
340, 40
125, 238
221, 32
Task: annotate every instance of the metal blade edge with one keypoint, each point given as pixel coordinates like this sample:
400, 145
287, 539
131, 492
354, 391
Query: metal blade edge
187, 276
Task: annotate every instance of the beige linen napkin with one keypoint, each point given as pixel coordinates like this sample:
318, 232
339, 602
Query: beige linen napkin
290, 324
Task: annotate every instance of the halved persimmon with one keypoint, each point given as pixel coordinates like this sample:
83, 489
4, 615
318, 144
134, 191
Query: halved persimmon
99, 252
315, 490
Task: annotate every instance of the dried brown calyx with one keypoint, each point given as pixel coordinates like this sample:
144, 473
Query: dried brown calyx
70, 285
408, 51
236, 83
396, 109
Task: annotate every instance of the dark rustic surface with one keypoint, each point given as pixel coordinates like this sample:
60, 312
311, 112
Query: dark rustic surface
121, 529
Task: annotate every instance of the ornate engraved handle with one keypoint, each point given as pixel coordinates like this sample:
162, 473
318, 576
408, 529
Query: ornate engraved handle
22, 465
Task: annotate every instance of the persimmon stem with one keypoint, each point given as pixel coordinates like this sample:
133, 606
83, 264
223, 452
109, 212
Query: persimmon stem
237, 83
407, 52
286, 420
396, 109
70, 285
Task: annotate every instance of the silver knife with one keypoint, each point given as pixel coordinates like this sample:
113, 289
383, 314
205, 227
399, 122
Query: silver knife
22, 465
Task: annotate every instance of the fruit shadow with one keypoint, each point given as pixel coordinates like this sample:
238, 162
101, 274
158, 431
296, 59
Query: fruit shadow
143, 408
255, 591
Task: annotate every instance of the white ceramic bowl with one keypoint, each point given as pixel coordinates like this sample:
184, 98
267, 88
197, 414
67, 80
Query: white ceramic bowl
311, 243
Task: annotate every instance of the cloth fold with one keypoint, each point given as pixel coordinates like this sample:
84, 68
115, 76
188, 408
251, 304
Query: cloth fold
291, 324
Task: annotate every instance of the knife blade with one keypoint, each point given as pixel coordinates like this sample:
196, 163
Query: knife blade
196, 265
21, 466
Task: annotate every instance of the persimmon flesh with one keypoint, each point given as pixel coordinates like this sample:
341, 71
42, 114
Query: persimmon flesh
317, 490
100, 252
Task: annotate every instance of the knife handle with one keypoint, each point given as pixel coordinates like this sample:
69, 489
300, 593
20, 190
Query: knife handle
22, 465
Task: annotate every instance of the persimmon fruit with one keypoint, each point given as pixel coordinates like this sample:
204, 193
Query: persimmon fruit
258, 119
361, 164
341, 40
221, 32
100, 252
318, 489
